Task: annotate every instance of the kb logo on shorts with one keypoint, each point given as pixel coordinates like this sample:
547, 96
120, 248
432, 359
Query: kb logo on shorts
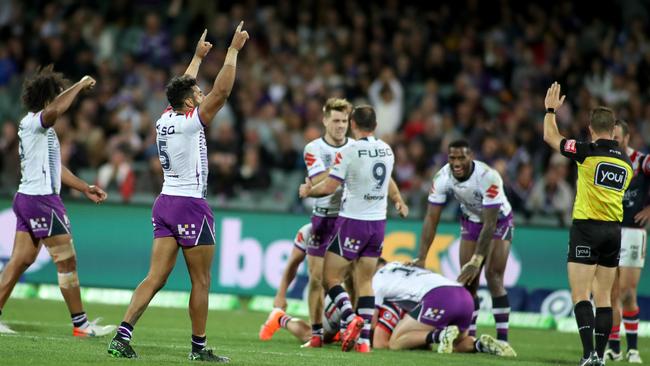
433, 314
39, 223
186, 230
610, 176
583, 252
351, 245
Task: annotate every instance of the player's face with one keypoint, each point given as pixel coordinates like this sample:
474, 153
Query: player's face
336, 125
460, 161
197, 97
620, 138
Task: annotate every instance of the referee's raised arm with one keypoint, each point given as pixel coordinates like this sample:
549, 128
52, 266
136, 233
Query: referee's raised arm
552, 102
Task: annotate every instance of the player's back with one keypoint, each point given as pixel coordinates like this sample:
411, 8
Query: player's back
406, 285
183, 153
366, 167
40, 157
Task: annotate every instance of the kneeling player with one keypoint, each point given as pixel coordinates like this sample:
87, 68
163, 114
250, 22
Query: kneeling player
442, 315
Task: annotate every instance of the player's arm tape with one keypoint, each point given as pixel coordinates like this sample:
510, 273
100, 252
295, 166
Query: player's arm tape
68, 280
61, 252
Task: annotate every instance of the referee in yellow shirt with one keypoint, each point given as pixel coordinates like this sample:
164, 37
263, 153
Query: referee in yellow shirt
604, 173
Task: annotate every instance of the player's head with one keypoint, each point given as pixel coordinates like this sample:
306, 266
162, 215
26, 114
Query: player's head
601, 122
460, 158
336, 112
622, 133
363, 119
183, 93
42, 88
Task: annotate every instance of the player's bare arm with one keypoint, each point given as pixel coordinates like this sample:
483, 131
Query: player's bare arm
322, 189
93, 193
297, 256
62, 102
225, 80
552, 102
471, 269
396, 197
429, 228
202, 49
320, 177
643, 217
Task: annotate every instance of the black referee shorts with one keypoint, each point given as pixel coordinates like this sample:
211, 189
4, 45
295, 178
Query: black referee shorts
595, 242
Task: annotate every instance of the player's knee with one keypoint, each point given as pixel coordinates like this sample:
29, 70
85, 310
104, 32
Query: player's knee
64, 256
24, 261
628, 295
202, 281
394, 343
68, 280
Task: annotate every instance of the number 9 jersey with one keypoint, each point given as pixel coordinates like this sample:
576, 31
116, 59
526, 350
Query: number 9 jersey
365, 168
183, 153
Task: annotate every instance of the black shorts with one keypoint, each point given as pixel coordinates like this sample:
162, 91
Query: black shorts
595, 242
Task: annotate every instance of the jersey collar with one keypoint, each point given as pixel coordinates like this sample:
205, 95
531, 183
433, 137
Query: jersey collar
607, 142
328, 144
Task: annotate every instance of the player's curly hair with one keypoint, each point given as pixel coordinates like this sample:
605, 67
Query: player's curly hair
42, 88
336, 104
178, 89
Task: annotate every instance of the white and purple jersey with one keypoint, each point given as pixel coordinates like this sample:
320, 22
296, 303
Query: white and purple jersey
406, 285
183, 153
40, 157
484, 188
319, 156
365, 166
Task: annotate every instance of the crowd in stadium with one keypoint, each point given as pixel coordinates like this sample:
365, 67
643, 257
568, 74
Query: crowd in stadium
433, 75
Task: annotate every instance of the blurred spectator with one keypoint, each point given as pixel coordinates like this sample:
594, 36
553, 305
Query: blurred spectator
9, 156
519, 191
253, 174
117, 174
387, 96
552, 195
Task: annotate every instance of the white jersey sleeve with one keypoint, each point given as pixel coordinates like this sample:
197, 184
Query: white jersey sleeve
303, 234
492, 187
313, 161
439, 187
341, 163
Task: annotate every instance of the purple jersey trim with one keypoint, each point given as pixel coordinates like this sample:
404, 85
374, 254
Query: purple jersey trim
40, 117
337, 178
299, 248
315, 174
493, 205
437, 203
198, 115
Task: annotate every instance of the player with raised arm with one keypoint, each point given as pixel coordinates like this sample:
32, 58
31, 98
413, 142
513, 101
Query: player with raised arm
365, 166
41, 216
181, 215
486, 227
633, 249
438, 311
604, 173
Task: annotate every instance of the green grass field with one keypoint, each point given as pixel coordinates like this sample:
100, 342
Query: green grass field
162, 337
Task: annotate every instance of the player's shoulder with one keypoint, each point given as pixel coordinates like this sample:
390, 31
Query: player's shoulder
315, 144
443, 174
484, 171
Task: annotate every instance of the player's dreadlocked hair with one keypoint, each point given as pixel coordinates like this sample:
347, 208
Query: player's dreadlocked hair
336, 104
42, 88
178, 89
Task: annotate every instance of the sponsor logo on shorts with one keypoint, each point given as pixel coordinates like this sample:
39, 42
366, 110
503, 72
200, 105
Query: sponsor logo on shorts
351, 245
583, 252
433, 314
39, 223
610, 176
186, 229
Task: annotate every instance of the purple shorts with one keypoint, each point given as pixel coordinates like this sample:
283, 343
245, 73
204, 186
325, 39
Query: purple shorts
470, 230
443, 306
189, 220
323, 230
41, 215
358, 238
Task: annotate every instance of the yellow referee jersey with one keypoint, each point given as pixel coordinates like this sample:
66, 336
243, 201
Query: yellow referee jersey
604, 173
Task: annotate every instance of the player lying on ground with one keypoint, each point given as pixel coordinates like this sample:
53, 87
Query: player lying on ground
181, 215
438, 311
41, 216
